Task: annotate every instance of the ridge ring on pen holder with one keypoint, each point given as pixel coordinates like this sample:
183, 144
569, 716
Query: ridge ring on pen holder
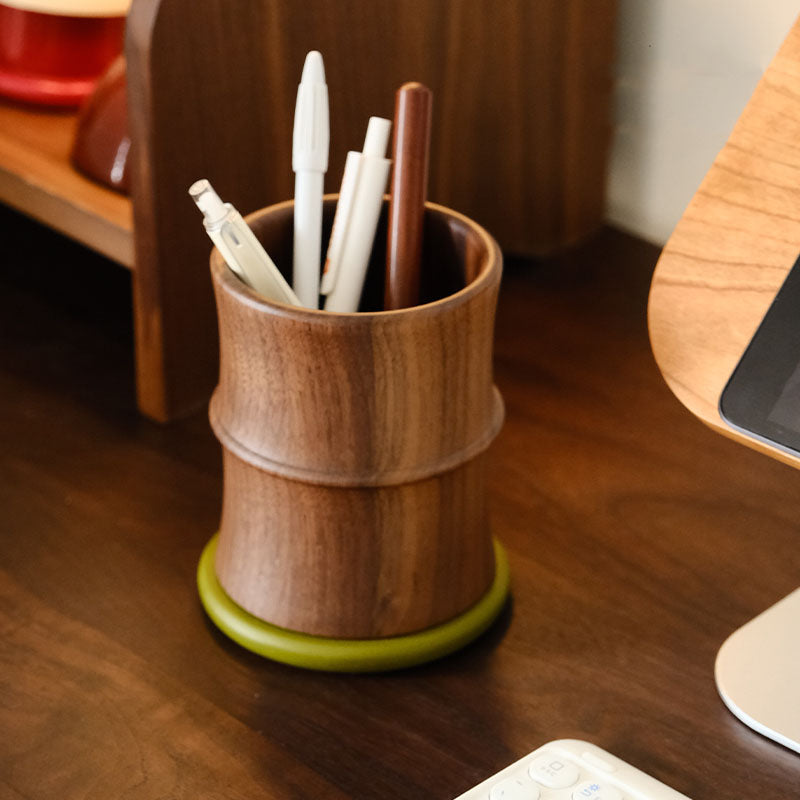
355, 529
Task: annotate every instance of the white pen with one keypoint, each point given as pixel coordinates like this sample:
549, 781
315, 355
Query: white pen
310, 162
356, 219
238, 245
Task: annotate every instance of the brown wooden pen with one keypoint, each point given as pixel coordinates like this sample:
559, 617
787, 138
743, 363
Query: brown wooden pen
411, 146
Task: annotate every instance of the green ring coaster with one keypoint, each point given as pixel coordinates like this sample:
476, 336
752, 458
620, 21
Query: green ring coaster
348, 655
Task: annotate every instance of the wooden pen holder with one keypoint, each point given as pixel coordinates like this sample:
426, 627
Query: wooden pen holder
354, 450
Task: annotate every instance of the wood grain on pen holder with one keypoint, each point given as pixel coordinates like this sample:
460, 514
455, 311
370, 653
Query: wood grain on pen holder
354, 445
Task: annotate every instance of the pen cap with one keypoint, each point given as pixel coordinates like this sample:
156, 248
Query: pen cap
377, 137
311, 133
355, 444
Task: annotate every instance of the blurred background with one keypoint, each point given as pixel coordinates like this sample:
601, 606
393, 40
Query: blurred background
684, 71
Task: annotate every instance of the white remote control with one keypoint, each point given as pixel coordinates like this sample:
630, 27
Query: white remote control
570, 769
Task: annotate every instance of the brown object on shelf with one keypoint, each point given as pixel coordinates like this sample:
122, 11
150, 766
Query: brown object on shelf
102, 140
410, 154
732, 249
355, 444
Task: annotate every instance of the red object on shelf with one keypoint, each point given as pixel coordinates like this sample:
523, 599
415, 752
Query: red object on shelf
102, 141
55, 59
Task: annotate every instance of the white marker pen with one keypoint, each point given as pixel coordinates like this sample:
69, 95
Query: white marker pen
310, 162
356, 219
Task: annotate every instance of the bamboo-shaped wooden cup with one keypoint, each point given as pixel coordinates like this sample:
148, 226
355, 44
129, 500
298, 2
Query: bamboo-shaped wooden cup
355, 445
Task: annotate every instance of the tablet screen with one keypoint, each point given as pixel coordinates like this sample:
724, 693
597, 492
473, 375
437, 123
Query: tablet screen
762, 397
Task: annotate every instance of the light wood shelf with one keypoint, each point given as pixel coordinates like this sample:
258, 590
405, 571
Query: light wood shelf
37, 178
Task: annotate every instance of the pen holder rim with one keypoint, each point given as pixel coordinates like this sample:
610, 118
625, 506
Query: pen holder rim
486, 278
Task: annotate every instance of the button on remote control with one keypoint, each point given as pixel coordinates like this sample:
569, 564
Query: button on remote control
515, 789
593, 790
553, 772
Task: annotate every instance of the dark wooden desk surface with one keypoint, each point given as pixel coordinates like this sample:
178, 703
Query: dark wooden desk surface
638, 540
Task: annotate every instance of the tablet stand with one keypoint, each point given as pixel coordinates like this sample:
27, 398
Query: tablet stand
717, 275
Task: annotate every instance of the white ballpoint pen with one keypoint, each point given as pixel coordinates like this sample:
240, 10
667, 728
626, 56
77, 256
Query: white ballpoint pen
310, 162
356, 218
238, 245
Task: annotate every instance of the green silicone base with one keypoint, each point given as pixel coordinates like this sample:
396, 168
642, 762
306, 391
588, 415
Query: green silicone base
348, 655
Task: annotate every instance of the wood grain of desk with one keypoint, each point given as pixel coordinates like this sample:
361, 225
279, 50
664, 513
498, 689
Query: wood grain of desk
732, 249
630, 533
